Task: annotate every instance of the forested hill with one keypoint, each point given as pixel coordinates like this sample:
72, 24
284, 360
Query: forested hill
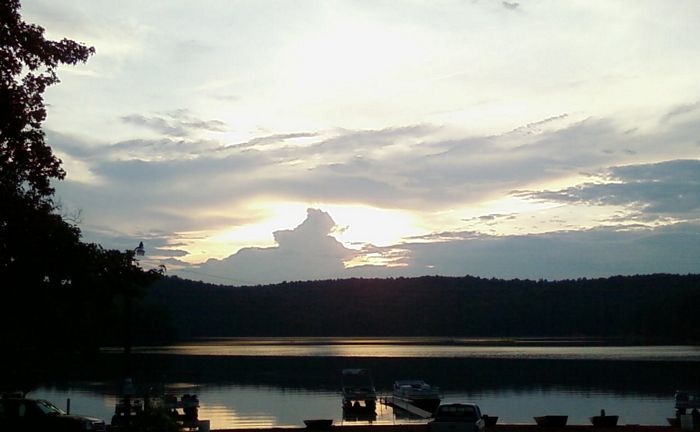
653, 308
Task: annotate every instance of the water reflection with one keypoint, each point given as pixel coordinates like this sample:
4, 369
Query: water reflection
514, 383
405, 348
256, 407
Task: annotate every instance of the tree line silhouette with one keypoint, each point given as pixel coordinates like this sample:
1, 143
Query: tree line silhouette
658, 308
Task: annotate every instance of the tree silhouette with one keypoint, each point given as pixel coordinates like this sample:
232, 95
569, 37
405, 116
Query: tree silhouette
56, 290
28, 63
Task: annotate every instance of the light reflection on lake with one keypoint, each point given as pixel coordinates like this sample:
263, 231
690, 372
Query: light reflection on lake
400, 348
271, 383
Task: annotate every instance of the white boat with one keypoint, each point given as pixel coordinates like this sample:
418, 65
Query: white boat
417, 393
358, 389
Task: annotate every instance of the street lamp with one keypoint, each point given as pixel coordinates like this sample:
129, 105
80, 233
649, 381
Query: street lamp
139, 250
128, 387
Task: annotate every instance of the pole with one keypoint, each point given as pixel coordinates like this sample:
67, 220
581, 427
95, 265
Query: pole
127, 390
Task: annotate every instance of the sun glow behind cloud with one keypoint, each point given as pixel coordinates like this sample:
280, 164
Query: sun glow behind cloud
218, 244
356, 227
360, 225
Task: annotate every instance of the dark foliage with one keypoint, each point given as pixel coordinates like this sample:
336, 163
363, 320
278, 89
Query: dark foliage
28, 65
58, 293
655, 308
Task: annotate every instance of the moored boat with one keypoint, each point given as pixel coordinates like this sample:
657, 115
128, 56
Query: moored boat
551, 420
358, 389
604, 420
318, 424
417, 393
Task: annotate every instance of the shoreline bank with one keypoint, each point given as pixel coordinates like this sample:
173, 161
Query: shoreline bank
525, 427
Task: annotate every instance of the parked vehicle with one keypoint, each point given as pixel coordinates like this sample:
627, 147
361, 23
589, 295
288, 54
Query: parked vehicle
457, 417
20, 414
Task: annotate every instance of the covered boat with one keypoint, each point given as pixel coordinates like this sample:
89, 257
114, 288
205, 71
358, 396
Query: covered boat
358, 389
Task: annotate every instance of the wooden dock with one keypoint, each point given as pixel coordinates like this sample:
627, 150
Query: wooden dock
394, 402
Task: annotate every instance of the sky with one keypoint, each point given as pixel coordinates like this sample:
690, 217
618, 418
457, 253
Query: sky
252, 141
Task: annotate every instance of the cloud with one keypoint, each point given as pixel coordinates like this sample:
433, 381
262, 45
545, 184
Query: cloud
653, 191
537, 126
680, 110
178, 123
303, 253
270, 140
510, 5
407, 167
492, 218
560, 255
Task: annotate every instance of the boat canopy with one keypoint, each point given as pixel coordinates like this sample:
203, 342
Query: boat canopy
687, 399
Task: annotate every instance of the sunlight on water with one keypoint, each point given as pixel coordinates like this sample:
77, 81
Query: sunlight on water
316, 347
221, 417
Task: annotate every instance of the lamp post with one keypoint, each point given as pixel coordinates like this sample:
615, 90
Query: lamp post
128, 389
138, 251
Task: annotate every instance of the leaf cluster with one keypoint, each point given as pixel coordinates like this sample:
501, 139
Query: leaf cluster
28, 63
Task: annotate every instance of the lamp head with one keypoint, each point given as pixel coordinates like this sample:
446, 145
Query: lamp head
139, 250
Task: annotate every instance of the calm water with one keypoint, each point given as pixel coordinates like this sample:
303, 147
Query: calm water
245, 383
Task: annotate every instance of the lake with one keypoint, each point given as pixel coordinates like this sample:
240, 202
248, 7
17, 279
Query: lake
281, 382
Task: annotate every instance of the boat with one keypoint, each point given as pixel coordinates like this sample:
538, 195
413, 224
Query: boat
358, 390
604, 420
687, 400
417, 393
318, 424
490, 421
130, 406
684, 401
551, 420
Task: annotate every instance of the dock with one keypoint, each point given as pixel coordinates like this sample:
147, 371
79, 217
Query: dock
398, 403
